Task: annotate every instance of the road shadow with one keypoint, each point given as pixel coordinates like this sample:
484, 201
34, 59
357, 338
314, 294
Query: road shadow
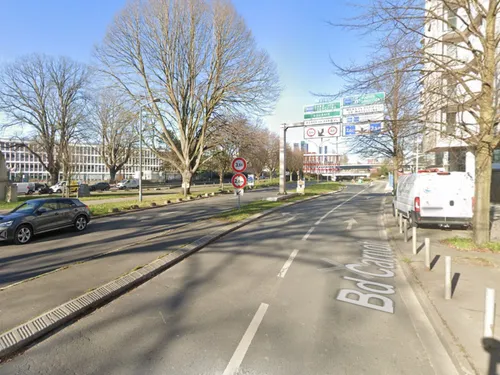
434, 261
454, 283
492, 346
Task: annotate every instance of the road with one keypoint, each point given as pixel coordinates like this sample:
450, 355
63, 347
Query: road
58, 249
285, 295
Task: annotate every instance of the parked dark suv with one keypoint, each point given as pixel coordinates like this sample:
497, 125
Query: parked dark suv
43, 215
100, 186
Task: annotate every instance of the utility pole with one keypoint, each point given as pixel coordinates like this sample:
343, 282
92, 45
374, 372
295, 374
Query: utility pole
140, 144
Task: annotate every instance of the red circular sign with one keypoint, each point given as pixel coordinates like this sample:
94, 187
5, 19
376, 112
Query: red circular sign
311, 132
333, 130
239, 181
239, 164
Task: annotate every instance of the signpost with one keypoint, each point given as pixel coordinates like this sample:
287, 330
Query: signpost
239, 180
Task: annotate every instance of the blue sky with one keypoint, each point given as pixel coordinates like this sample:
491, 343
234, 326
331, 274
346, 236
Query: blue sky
294, 32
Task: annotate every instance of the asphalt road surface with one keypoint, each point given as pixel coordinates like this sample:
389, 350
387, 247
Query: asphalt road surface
295, 293
58, 249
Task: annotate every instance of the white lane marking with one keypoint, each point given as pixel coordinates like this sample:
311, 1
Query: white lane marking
246, 340
306, 236
288, 263
288, 220
333, 209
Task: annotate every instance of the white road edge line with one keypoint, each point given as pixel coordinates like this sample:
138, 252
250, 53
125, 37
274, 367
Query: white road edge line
306, 236
288, 263
440, 360
246, 340
333, 209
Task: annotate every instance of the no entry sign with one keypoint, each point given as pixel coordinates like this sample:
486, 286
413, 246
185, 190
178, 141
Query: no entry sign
239, 181
239, 165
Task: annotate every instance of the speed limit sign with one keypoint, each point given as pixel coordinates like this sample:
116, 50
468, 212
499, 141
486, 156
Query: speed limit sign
239, 165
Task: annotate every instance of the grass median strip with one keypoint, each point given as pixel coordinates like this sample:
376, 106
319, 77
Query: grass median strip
463, 243
253, 208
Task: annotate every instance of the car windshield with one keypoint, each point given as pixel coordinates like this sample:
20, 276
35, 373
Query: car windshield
26, 208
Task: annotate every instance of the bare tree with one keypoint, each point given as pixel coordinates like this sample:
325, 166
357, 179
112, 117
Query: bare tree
393, 70
112, 131
45, 96
236, 136
199, 58
294, 161
460, 77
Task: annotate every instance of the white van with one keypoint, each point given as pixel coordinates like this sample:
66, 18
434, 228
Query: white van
25, 188
128, 184
435, 198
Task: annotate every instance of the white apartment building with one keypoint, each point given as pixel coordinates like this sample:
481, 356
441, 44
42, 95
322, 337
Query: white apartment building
87, 164
441, 96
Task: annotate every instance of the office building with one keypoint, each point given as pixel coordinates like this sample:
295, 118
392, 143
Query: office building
87, 164
442, 98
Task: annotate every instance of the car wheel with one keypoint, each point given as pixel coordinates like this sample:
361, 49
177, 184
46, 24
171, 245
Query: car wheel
81, 223
59, 191
23, 235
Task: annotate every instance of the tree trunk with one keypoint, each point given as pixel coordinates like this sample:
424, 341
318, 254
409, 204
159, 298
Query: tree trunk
395, 171
481, 218
186, 182
291, 176
221, 179
112, 175
54, 174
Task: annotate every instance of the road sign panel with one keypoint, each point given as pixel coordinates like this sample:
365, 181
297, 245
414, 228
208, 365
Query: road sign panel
363, 129
322, 131
239, 181
364, 118
319, 121
239, 164
365, 99
251, 180
322, 107
321, 114
346, 111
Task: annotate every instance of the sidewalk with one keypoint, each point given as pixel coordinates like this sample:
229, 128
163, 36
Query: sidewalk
462, 316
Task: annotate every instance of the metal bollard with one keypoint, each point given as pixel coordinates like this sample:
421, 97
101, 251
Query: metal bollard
414, 238
428, 253
405, 229
447, 277
489, 313
400, 219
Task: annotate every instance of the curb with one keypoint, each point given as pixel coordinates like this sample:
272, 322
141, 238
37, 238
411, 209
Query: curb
451, 344
27, 333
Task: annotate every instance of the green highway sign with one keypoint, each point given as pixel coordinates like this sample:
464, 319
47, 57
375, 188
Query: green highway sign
321, 114
322, 107
366, 99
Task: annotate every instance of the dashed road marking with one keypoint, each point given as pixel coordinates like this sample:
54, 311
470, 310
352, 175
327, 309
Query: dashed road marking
288, 263
306, 236
246, 340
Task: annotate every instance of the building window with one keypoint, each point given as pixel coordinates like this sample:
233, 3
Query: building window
451, 18
496, 156
451, 51
451, 123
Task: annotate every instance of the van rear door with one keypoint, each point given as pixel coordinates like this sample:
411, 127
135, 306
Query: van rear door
446, 195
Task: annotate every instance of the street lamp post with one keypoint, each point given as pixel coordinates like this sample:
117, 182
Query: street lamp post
140, 144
